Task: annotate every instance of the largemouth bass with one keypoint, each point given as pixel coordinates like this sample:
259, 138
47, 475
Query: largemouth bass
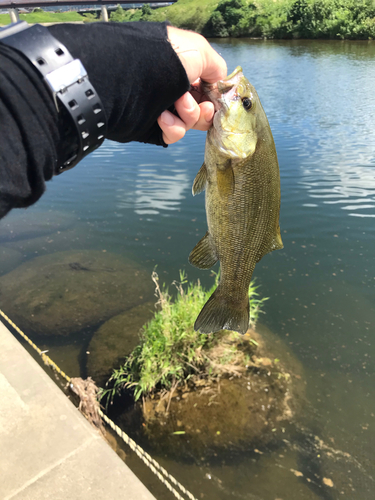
241, 177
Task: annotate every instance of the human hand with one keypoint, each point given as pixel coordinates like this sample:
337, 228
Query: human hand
201, 62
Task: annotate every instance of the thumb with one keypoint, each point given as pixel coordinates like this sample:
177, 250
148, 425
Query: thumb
197, 56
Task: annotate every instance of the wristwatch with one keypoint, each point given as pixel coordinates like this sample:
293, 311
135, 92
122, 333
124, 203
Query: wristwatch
82, 119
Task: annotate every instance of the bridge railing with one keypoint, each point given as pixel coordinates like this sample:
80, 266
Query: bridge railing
13, 5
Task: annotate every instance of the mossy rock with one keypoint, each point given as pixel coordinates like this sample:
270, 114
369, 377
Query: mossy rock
66, 292
9, 259
115, 339
251, 408
20, 226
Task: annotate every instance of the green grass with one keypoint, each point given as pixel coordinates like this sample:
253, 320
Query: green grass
171, 352
187, 14
333, 19
45, 17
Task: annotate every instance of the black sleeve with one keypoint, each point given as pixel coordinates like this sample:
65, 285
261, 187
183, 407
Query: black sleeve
133, 68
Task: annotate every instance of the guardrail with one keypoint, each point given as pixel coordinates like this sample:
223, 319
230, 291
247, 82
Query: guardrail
13, 5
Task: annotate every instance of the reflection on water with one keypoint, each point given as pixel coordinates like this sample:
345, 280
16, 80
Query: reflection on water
352, 188
154, 190
136, 199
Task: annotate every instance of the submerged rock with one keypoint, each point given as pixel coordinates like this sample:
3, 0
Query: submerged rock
115, 339
65, 292
9, 259
251, 408
28, 224
75, 238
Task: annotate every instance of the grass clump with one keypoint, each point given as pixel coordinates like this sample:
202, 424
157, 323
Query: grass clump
171, 353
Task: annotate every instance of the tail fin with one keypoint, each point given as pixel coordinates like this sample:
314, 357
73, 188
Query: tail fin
219, 314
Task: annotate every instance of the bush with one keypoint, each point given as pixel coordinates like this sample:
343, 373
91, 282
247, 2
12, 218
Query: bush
217, 26
118, 15
232, 18
146, 10
332, 19
90, 17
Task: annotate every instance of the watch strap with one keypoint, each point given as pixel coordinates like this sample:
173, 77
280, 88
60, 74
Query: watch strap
75, 98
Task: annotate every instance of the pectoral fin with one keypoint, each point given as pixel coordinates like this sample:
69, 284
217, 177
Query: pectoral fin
203, 254
225, 181
200, 180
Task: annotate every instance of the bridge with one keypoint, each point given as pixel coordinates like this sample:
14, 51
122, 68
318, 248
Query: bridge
13, 5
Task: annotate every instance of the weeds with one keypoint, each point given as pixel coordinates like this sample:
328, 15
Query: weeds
171, 353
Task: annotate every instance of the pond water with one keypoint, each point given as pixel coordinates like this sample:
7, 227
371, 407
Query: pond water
135, 200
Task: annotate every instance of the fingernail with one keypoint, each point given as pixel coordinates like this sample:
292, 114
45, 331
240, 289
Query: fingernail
189, 102
167, 118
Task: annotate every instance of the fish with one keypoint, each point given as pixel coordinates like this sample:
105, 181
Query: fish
241, 179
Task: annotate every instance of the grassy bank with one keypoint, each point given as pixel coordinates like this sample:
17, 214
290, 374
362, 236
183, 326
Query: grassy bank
39, 16
331, 19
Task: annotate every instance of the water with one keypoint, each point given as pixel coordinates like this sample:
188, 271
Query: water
136, 200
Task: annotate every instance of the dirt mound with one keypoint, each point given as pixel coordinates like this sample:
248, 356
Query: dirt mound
249, 407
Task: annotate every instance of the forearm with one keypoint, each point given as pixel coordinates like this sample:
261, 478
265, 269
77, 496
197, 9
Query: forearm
132, 67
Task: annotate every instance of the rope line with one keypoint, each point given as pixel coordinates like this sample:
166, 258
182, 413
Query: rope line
46, 359
140, 451
156, 468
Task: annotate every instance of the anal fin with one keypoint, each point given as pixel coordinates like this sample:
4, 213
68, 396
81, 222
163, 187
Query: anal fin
203, 254
276, 244
277, 241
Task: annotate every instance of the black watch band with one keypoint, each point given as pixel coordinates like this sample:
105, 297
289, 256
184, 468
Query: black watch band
83, 122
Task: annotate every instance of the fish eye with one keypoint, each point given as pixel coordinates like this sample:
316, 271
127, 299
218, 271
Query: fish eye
246, 103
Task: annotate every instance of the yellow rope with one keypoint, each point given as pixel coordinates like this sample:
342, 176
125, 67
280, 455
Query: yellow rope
153, 464
156, 468
46, 359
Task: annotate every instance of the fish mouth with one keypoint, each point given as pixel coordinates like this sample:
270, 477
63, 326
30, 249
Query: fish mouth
224, 91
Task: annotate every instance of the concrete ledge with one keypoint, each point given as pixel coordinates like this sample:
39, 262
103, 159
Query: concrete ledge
48, 449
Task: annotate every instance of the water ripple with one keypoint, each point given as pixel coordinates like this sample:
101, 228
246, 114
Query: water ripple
155, 190
351, 188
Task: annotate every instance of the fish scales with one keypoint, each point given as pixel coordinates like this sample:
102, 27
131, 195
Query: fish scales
241, 177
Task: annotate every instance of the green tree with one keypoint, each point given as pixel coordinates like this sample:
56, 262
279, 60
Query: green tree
146, 10
217, 25
118, 15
